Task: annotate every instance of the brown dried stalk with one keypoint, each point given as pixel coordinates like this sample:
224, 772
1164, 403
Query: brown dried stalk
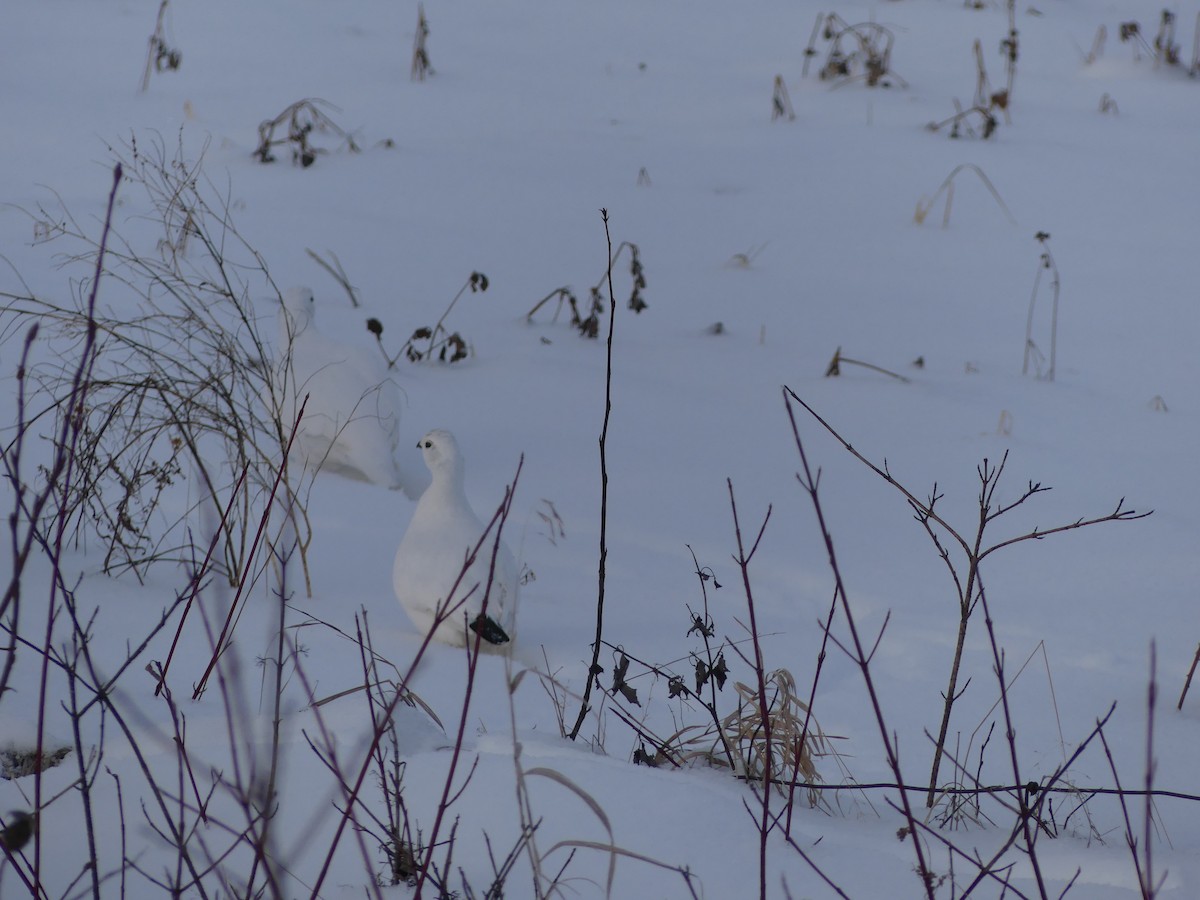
947, 187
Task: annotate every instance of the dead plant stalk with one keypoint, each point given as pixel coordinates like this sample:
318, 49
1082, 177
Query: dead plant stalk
594, 668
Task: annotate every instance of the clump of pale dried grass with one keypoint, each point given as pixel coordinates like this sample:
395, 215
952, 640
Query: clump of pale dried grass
795, 737
794, 744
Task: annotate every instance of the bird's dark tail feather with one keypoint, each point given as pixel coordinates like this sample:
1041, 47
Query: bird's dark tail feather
488, 629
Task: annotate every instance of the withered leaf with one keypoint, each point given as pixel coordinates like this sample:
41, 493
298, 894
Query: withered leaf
720, 671
619, 684
642, 758
699, 625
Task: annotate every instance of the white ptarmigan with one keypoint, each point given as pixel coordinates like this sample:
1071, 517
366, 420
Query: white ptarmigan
443, 531
351, 424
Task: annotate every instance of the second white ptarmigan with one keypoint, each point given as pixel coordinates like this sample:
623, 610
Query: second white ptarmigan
443, 531
351, 424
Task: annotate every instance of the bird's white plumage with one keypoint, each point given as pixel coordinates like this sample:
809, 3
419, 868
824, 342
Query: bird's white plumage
351, 424
443, 531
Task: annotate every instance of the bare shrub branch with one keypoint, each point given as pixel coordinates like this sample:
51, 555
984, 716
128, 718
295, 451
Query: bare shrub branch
965, 574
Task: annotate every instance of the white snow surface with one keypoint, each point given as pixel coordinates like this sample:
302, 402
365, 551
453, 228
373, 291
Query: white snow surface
798, 236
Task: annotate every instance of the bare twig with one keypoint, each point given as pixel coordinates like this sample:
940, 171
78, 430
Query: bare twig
965, 575
1028, 820
743, 559
1187, 683
1149, 888
594, 669
183, 387
809, 482
222, 640
197, 580
67, 446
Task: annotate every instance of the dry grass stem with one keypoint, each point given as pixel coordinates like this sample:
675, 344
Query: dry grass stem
834, 369
791, 749
947, 187
334, 267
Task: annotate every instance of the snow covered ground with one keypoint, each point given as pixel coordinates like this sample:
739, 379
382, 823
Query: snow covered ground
798, 236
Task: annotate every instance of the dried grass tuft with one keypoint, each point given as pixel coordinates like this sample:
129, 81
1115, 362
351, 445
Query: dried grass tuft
791, 752
791, 748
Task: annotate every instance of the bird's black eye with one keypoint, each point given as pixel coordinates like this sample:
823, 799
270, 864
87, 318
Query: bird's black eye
428, 444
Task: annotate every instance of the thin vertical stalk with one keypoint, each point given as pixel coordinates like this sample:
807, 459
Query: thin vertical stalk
1149, 889
594, 669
